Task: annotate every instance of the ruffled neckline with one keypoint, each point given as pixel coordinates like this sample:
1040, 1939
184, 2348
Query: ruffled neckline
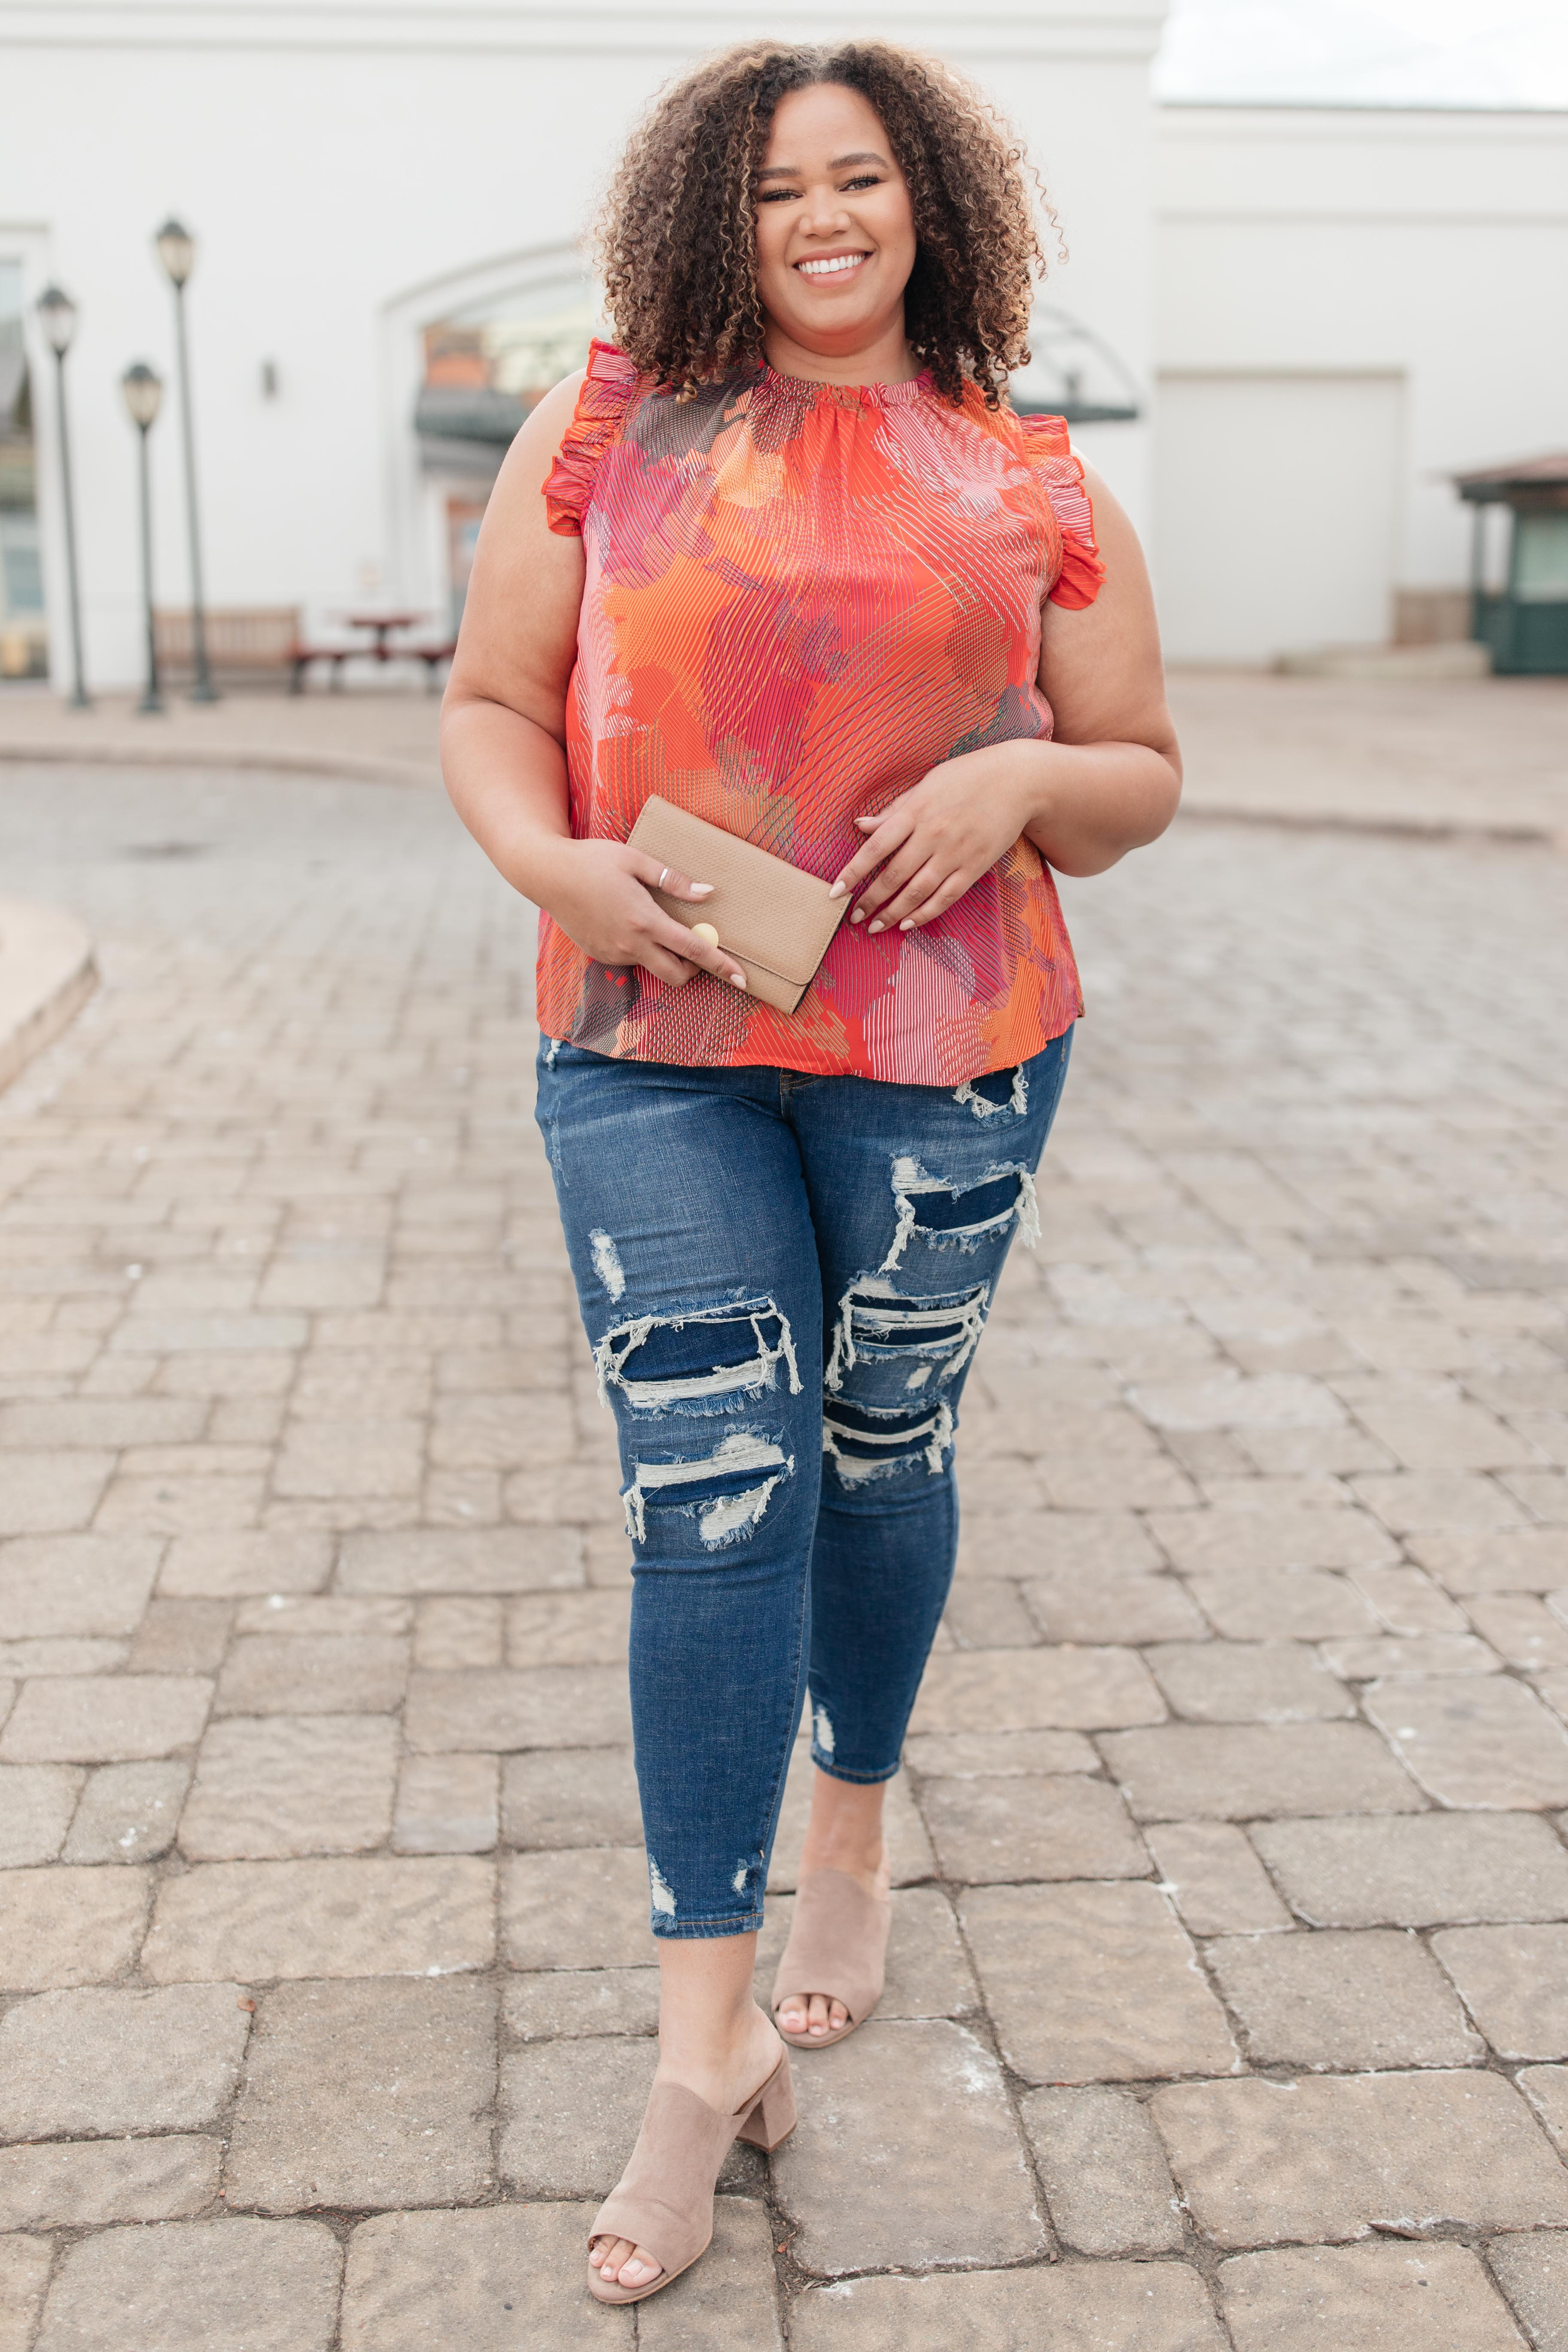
810, 390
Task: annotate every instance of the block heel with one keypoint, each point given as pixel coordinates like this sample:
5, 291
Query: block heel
771, 2116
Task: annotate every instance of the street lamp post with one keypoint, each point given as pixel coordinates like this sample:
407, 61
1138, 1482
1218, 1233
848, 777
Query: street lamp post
177, 252
56, 316
143, 392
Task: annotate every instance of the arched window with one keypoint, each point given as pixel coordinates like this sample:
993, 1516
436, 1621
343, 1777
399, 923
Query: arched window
484, 346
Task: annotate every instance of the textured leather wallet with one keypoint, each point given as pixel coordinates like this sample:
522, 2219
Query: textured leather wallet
774, 920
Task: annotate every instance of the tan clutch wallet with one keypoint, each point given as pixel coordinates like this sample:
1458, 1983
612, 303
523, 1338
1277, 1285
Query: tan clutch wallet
774, 920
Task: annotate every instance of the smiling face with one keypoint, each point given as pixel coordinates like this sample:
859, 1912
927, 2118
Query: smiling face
836, 239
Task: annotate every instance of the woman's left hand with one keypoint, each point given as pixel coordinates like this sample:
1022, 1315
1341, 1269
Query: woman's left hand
941, 836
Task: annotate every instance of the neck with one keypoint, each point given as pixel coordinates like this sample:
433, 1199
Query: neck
883, 357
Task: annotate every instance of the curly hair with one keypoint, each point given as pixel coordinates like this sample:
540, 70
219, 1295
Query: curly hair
676, 239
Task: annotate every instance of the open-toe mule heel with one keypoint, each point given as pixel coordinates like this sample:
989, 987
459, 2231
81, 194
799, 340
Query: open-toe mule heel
665, 2200
837, 1947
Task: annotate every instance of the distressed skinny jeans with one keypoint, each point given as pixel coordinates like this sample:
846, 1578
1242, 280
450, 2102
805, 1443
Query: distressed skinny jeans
783, 1280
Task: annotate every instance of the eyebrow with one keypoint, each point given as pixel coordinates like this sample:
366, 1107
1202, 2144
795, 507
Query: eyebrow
793, 171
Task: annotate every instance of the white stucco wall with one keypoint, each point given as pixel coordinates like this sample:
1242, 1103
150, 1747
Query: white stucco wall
343, 165
1335, 246
354, 170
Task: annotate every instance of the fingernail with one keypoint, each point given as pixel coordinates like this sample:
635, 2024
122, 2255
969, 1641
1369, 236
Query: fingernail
907, 924
737, 980
857, 917
702, 890
875, 927
836, 891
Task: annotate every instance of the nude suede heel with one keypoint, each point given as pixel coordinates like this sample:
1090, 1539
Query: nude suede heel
665, 2200
837, 1947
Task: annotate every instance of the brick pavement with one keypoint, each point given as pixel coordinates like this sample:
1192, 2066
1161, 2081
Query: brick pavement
1226, 1992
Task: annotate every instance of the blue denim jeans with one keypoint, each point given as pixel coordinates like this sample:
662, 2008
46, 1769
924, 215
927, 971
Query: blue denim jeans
783, 1280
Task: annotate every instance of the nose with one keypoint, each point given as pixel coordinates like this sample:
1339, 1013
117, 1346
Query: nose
824, 216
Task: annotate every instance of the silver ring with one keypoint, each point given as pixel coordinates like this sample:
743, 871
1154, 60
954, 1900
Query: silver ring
662, 871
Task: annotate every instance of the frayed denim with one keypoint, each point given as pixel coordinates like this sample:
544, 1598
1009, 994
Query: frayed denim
783, 1280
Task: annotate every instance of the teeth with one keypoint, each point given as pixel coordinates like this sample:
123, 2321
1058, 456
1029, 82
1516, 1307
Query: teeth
826, 269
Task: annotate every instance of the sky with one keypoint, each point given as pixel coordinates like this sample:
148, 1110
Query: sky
1377, 52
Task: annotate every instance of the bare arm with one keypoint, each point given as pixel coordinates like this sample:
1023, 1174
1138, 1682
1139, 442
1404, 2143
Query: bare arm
503, 729
1106, 783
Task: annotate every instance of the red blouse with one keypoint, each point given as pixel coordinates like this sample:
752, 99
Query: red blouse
801, 597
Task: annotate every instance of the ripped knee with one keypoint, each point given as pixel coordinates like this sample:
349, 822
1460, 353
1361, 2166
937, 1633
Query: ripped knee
865, 1445
705, 1502
707, 1361
904, 1346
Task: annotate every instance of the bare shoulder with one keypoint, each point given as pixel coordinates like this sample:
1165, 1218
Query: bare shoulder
520, 618
1111, 517
1100, 663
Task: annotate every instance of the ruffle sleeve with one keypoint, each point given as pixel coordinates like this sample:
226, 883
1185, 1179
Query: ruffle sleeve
596, 423
1049, 454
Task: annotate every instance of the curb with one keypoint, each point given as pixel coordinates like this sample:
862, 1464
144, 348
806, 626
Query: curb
1389, 828
47, 974
356, 766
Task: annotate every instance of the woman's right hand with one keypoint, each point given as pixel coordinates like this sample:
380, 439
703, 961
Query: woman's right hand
601, 894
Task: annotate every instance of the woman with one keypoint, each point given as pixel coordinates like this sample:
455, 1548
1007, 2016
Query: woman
797, 568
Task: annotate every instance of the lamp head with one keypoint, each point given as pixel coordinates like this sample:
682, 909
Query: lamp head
56, 316
142, 391
177, 250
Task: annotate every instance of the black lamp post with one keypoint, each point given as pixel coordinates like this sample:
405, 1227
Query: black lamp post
144, 393
56, 316
177, 252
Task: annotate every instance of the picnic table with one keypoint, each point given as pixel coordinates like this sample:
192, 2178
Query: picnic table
383, 627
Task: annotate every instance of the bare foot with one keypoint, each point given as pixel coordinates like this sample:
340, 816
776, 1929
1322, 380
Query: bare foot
844, 1832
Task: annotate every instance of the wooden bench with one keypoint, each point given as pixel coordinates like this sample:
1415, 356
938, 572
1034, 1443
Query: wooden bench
239, 637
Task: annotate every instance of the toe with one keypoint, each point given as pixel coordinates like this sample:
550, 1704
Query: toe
641, 2267
792, 2014
818, 2013
837, 2016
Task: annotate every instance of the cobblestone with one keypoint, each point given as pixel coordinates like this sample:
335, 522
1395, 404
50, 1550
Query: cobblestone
179, 2283
1514, 1982
1103, 2306
987, 1832
1362, 2299
1343, 2002
1240, 1771
1265, 1516
907, 2154
127, 1812
1104, 2172
1533, 2273
1422, 1871
81, 2184
1331, 2158
365, 2094
105, 2061
1215, 1879
1093, 1983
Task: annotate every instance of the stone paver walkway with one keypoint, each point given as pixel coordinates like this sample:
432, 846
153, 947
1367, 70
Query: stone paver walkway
1229, 1989
1476, 755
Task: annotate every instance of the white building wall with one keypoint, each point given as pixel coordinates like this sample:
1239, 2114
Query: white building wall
1301, 251
345, 165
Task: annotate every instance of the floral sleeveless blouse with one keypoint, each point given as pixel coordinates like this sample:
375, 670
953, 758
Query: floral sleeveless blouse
800, 597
